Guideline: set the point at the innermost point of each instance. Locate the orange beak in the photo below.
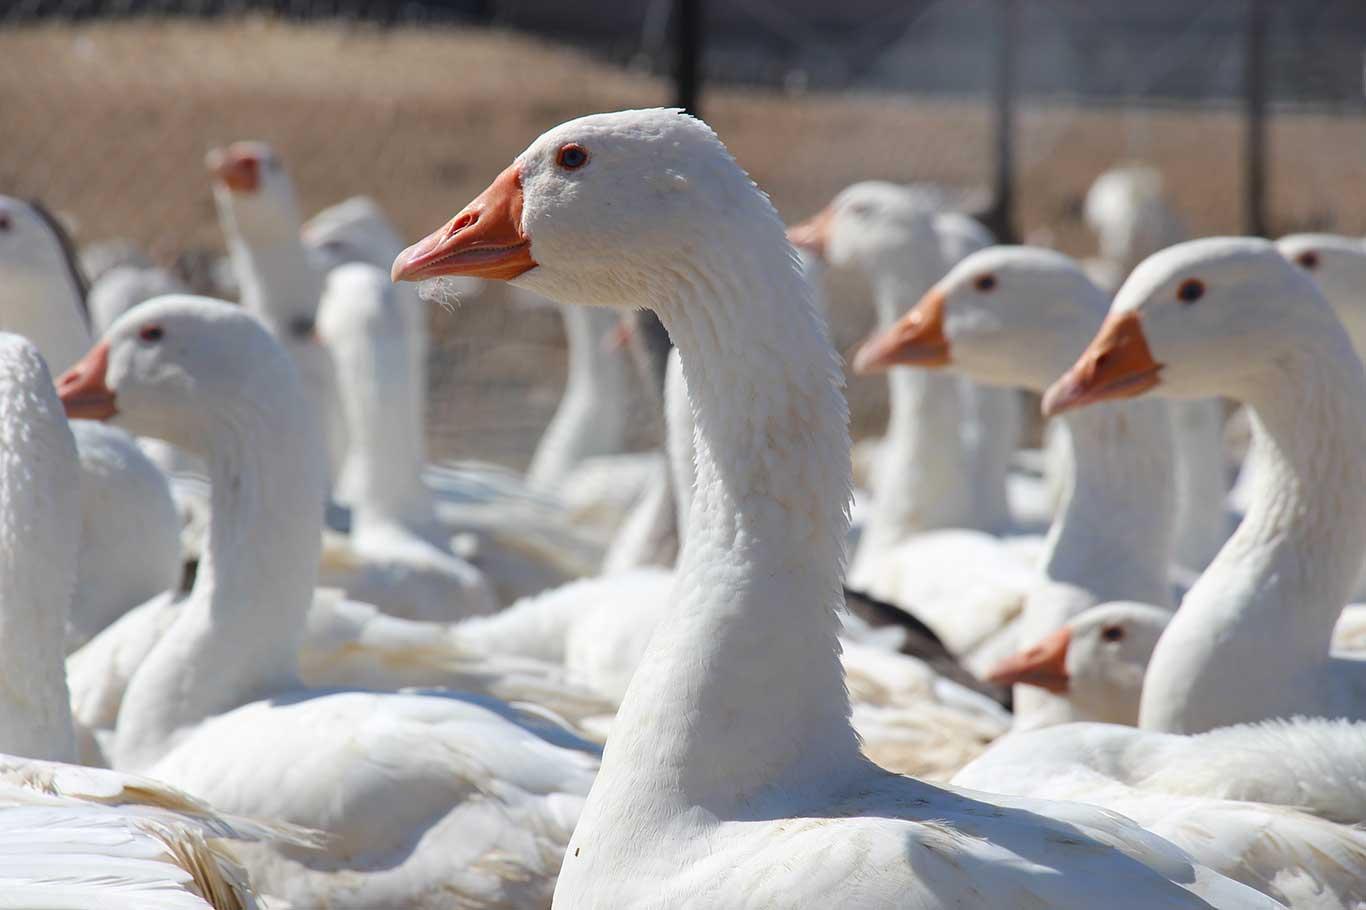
(484, 241)
(1044, 665)
(82, 390)
(813, 234)
(236, 168)
(916, 339)
(1116, 364)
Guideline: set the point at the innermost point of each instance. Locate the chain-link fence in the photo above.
(106, 111)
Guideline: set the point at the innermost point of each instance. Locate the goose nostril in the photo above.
(464, 220)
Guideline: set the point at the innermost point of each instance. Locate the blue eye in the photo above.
(572, 157)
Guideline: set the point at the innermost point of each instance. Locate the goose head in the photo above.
(1097, 660)
(609, 209)
(1338, 266)
(1006, 315)
(253, 190)
(1198, 320)
(183, 369)
(869, 226)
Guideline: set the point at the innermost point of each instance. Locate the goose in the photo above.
(259, 217)
(1127, 209)
(73, 836)
(733, 775)
(976, 321)
(1224, 316)
(923, 481)
(422, 793)
(42, 299)
(123, 287)
(382, 561)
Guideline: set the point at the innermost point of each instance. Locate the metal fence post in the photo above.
(688, 29)
(1001, 216)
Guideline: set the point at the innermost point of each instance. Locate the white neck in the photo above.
(39, 533)
(1261, 617)
(741, 689)
(42, 302)
(278, 284)
(922, 481)
(591, 418)
(238, 632)
(1112, 537)
(382, 475)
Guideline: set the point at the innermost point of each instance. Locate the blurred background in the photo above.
(1251, 110)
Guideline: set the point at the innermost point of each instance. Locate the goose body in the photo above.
(396, 779)
(1252, 638)
(733, 776)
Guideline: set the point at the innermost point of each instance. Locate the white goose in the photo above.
(1127, 209)
(383, 560)
(1231, 317)
(41, 299)
(73, 837)
(733, 775)
(422, 794)
(994, 305)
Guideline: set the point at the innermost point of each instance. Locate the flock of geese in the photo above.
(257, 652)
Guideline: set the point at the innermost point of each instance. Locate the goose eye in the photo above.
(4, 222)
(1191, 290)
(1112, 633)
(571, 157)
(1309, 259)
(151, 333)
(985, 283)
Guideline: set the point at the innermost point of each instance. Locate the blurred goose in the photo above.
(733, 774)
(1251, 640)
(74, 837)
(420, 793)
(994, 305)
(42, 299)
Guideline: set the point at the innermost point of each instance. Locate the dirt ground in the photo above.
(109, 122)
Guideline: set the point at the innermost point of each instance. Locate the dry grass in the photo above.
(109, 122)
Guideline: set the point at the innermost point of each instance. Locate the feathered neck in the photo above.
(921, 481)
(1262, 615)
(1113, 535)
(741, 691)
(591, 417)
(238, 632)
(39, 534)
(382, 476)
